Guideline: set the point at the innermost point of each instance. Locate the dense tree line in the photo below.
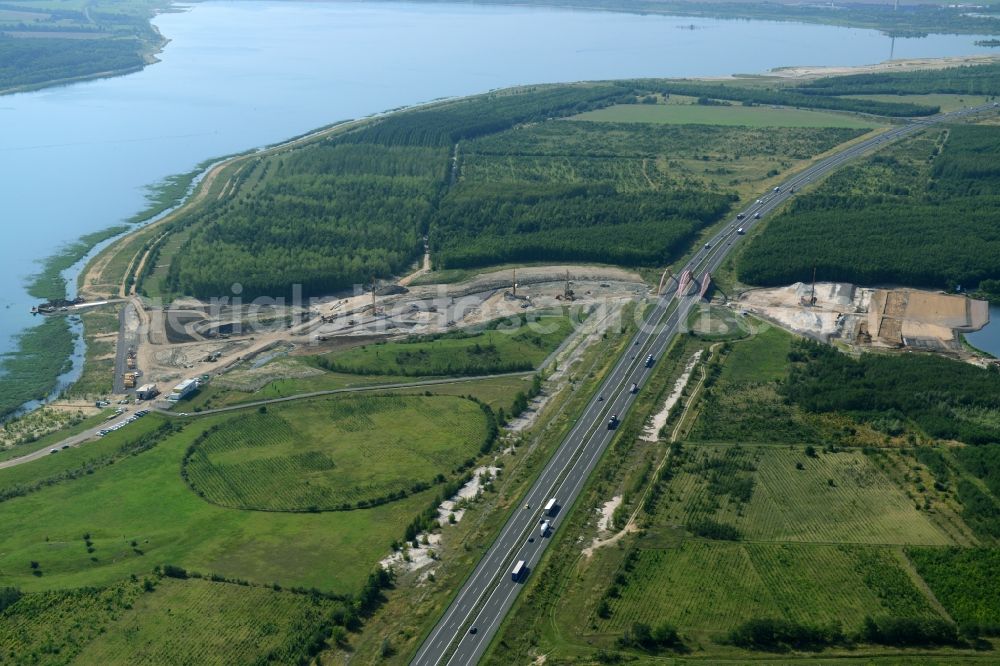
(781, 635)
(487, 114)
(939, 395)
(893, 220)
(26, 62)
(963, 80)
(789, 97)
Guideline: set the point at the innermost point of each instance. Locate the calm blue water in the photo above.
(236, 75)
(988, 339)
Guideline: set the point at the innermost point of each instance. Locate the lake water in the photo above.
(988, 339)
(237, 75)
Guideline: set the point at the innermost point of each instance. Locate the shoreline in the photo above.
(694, 10)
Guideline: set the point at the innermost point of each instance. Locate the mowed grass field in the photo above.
(143, 499)
(710, 587)
(336, 453)
(749, 116)
(178, 622)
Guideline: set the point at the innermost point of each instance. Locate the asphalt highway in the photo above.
(472, 619)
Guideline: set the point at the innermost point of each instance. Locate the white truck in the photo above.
(551, 507)
(544, 529)
(517, 573)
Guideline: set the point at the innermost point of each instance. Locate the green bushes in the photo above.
(779, 635)
(712, 529)
(8, 597)
(906, 632)
(651, 639)
(964, 580)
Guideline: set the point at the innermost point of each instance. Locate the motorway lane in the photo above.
(489, 592)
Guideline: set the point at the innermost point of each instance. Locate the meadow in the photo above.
(336, 453)
(515, 345)
(846, 547)
(99, 328)
(710, 587)
(164, 620)
(495, 391)
(119, 506)
(779, 493)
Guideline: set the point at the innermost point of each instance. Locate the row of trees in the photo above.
(791, 97)
(963, 80)
(779, 635)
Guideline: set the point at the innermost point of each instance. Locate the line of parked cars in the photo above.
(121, 424)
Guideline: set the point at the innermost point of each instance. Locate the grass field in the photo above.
(496, 391)
(946, 102)
(745, 403)
(143, 499)
(811, 525)
(787, 504)
(707, 587)
(697, 114)
(336, 453)
(179, 621)
(511, 347)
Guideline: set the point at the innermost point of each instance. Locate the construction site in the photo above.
(887, 318)
(193, 339)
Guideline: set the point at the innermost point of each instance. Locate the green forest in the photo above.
(922, 214)
(964, 80)
(101, 37)
(490, 179)
(509, 177)
(629, 194)
(325, 218)
(356, 205)
(942, 398)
